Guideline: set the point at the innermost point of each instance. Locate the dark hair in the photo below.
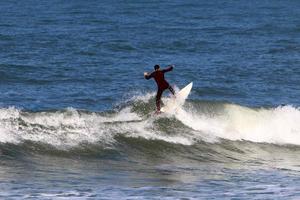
(156, 67)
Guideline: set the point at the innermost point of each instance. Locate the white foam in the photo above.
(61, 129)
(145, 130)
(125, 115)
(65, 129)
(279, 125)
(8, 126)
(142, 97)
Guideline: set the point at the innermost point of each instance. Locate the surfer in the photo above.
(162, 84)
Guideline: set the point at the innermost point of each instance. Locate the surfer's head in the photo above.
(156, 67)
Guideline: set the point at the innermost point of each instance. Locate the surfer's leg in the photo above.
(171, 90)
(158, 97)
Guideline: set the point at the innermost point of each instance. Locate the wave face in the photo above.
(197, 122)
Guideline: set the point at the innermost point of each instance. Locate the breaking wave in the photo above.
(196, 123)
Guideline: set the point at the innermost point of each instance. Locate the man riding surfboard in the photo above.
(162, 84)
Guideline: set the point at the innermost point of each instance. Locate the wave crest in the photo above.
(195, 122)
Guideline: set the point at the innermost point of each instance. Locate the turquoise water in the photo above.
(76, 114)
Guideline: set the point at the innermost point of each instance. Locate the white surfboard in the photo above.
(172, 104)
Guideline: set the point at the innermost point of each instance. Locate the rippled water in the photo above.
(76, 114)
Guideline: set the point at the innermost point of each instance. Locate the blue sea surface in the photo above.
(76, 114)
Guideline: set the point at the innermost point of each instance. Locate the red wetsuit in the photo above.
(162, 84)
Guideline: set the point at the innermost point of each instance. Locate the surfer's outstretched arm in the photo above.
(170, 68)
(147, 75)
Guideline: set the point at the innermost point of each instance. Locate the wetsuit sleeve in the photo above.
(149, 76)
(168, 69)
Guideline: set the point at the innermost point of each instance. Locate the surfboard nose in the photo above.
(174, 103)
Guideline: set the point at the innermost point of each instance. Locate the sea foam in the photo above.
(280, 125)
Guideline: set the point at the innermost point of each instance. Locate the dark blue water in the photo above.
(76, 114)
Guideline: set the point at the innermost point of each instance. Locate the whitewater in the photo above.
(195, 121)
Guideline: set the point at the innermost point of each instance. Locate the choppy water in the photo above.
(76, 115)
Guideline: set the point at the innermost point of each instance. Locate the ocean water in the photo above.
(76, 114)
